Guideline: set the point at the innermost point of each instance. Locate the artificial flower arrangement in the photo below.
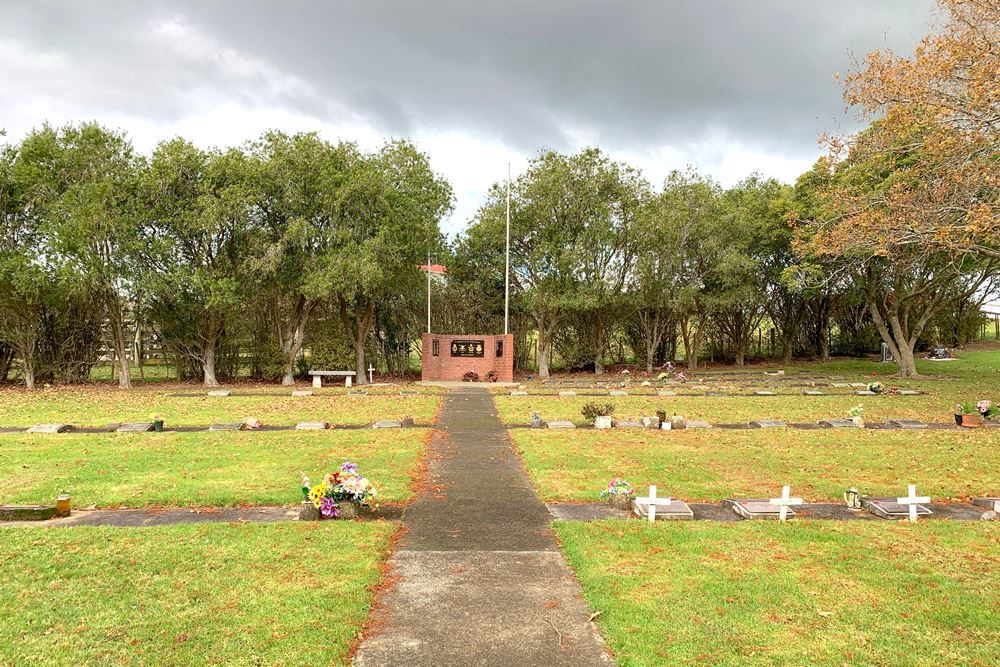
(973, 414)
(875, 387)
(619, 493)
(856, 414)
(157, 421)
(340, 493)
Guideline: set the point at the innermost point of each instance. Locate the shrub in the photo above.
(491, 376)
(592, 411)
(470, 376)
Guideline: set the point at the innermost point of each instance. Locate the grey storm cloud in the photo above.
(527, 73)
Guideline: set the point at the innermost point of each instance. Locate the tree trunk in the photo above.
(359, 334)
(28, 368)
(546, 323)
(118, 340)
(294, 337)
(787, 347)
(599, 344)
(740, 351)
(208, 351)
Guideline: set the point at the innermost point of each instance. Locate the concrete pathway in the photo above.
(479, 578)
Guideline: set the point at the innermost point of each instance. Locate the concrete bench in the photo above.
(318, 376)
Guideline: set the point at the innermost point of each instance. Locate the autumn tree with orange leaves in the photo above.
(910, 210)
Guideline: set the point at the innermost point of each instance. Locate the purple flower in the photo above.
(328, 508)
(349, 468)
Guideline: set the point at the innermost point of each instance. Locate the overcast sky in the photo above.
(728, 86)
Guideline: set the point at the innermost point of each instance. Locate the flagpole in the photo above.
(506, 269)
(428, 290)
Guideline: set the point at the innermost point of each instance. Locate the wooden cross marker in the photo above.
(651, 502)
(912, 499)
(371, 376)
(785, 501)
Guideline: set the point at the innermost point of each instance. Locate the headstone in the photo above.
(698, 423)
(666, 392)
(992, 504)
(220, 392)
(907, 423)
(839, 423)
(651, 422)
(748, 508)
(859, 384)
(840, 385)
(387, 423)
(892, 508)
(628, 423)
(311, 426)
(301, 392)
(602, 421)
(785, 502)
(562, 424)
(227, 427)
(139, 427)
(909, 392)
(27, 512)
(764, 393)
(49, 428)
(813, 392)
(767, 423)
(618, 392)
(652, 508)
(518, 393)
(357, 393)
(567, 393)
(865, 392)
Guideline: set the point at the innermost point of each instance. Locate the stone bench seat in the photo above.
(318, 376)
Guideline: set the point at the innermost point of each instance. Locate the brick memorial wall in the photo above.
(451, 357)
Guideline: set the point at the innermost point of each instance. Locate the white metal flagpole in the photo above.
(428, 291)
(506, 268)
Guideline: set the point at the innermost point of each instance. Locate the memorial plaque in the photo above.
(865, 392)
(909, 392)
(767, 423)
(888, 508)
(764, 393)
(988, 503)
(220, 392)
(697, 423)
(138, 427)
(227, 427)
(562, 424)
(907, 423)
(49, 428)
(628, 423)
(618, 392)
(567, 393)
(813, 392)
(311, 426)
(839, 423)
(303, 393)
(676, 510)
(27, 512)
(386, 423)
(859, 384)
(603, 421)
(468, 348)
(666, 393)
(758, 509)
(409, 393)
(840, 385)
(518, 393)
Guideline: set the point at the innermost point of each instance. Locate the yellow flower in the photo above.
(316, 494)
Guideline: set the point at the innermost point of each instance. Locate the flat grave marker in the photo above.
(357, 393)
(303, 392)
(562, 424)
(387, 423)
(666, 392)
(518, 393)
(48, 428)
(907, 423)
(909, 392)
(988, 503)
(697, 423)
(567, 393)
(768, 423)
(227, 427)
(628, 423)
(652, 508)
(651, 422)
(839, 423)
(617, 392)
(764, 392)
(311, 426)
(220, 393)
(865, 392)
(750, 508)
(409, 393)
(859, 384)
(840, 385)
(603, 422)
(813, 392)
(898, 508)
(137, 427)
(27, 512)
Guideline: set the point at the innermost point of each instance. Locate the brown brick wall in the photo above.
(446, 367)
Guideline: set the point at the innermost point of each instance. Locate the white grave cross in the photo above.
(371, 377)
(785, 501)
(651, 502)
(912, 499)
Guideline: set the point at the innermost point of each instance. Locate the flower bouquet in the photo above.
(876, 387)
(619, 494)
(157, 421)
(857, 415)
(340, 495)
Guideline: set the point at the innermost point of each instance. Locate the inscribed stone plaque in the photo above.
(562, 424)
(357, 393)
(865, 392)
(907, 423)
(567, 393)
(677, 509)
(139, 427)
(26, 512)
(697, 423)
(839, 423)
(311, 426)
(813, 392)
(840, 385)
(859, 384)
(227, 427)
(757, 509)
(518, 393)
(467, 348)
(409, 393)
(618, 392)
(303, 393)
(988, 503)
(909, 392)
(220, 392)
(666, 393)
(764, 393)
(888, 508)
(387, 423)
(767, 423)
(627, 423)
(49, 428)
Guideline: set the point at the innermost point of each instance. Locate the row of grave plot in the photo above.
(147, 427)
(653, 423)
(711, 393)
(868, 508)
(304, 393)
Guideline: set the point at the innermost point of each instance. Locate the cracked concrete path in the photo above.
(479, 578)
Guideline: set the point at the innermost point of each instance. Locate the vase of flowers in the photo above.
(876, 387)
(619, 494)
(857, 415)
(341, 495)
(157, 421)
(971, 415)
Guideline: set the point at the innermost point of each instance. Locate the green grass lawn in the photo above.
(288, 594)
(809, 593)
(713, 464)
(202, 468)
(100, 405)
(975, 376)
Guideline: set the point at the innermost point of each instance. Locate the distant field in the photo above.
(200, 469)
(288, 594)
(811, 593)
(98, 405)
